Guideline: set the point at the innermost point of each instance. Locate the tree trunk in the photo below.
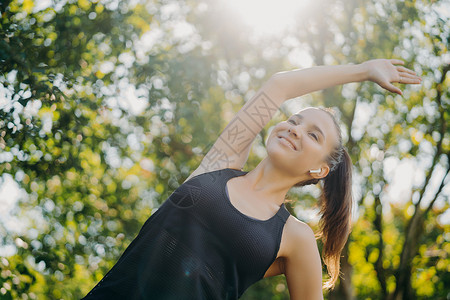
(404, 290)
(381, 274)
(344, 290)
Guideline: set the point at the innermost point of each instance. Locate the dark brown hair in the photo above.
(335, 205)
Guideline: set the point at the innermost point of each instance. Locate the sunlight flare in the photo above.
(268, 17)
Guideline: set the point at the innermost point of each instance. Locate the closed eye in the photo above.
(292, 121)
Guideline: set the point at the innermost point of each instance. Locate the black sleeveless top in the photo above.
(197, 245)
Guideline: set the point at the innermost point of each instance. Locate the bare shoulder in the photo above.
(298, 234)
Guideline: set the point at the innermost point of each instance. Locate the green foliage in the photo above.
(103, 120)
(274, 288)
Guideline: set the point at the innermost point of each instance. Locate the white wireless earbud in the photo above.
(315, 171)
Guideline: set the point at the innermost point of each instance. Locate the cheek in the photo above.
(271, 139)
(271, 148)
(313, 145)
(310, 146)
(314, 153)
(272, 132)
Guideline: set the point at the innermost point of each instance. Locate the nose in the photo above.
(294, 131)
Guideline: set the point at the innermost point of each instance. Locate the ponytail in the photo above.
(336, 208)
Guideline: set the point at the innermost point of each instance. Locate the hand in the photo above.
(384, 73)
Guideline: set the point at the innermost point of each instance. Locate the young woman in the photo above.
(224, 229)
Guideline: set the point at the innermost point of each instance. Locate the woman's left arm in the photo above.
(302, 264)
(384, 72)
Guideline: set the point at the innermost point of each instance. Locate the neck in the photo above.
(271, 183)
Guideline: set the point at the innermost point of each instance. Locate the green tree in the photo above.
(412, 128)
(105, 106)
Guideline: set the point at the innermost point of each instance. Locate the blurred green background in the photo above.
(107, 106)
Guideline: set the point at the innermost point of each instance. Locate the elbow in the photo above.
(277, 78)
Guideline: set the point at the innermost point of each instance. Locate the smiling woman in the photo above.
(224, 229)
(267, 17)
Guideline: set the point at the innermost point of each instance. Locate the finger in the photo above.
(411, 72)
(407, 75)
(403, 69)
(404, 74)
(397, 61)
(393, 89)
(397, 91)
(408, 80)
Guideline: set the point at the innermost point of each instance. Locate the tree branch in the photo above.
(415, 224)
(439, 191)
(442, 132)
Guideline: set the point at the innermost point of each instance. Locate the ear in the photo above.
(324, 170)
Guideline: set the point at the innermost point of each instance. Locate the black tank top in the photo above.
(197, 245)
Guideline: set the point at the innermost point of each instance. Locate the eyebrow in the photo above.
(300, 117)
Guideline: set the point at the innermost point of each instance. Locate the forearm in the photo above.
(296, 83)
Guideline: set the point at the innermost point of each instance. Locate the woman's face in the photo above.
(302, 142)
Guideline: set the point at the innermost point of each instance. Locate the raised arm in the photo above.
(232, 148)
(381, 71)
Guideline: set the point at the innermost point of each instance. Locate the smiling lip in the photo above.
(289, 141)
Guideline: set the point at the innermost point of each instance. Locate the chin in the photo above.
(282, 161)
